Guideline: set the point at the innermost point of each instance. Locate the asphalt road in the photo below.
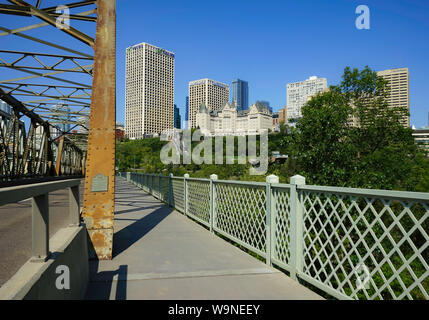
(15, 230)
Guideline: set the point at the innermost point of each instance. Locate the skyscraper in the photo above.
(298, 93)
(149, 90)
(399, 89)
(283, 115)
(177, 117)
(60, 117)
(240, 94)
(212, 93)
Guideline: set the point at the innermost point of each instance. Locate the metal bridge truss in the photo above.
(48, 91)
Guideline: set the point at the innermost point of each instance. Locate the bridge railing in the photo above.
(39, 193)
(350, 243)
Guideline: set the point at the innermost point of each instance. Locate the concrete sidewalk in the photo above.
(159, 253)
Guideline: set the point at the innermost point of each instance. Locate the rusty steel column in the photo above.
(99, 197)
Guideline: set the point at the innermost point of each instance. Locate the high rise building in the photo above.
(212, 93)
(177, 118)
(399, 89)
(240, 94)
(149, 90)
(298, 93)
(60, 117)
(283, 115)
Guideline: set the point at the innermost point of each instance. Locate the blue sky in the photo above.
(272, 43)
(269, 43)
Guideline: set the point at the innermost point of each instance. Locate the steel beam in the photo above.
(19, 34)
(52, 21)
(99, 199)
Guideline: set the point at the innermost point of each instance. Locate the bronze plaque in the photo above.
(99, 183)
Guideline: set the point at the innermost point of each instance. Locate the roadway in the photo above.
(15, 230)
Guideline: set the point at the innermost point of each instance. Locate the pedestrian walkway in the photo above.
(158, 253)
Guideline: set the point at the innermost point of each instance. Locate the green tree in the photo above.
(350, 136)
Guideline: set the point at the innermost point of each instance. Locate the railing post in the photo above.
(74, 206)
(269, 212)
(40, 228)
(212, 200)
(185, 191)
(170, 190)
(296, 218)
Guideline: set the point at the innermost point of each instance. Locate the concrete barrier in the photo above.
(37, 280)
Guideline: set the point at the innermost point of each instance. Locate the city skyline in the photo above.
(274, 52)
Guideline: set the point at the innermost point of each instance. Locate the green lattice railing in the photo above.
(350, 243)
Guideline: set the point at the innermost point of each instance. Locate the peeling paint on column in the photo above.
(99, 204)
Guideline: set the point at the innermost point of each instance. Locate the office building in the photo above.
(421, 137)
(60, 117)
(298, 93)
(149, 90)
(283, 115)
(399, 90)
(276, 122)
(119, 132)
(212, 93)
(177, 118)
(240, 94)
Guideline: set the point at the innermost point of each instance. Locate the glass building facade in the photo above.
(240, 94)
(177, 118)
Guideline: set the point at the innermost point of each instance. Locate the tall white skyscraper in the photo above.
(149, 90)
(399, 90)
(298, 93)
(212, 93)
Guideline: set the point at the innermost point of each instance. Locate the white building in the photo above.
(399, 90)
(213, 94)
(149, 90)
(298, 93)
(229, 121)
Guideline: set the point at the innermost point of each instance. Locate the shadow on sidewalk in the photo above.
(129, 235)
